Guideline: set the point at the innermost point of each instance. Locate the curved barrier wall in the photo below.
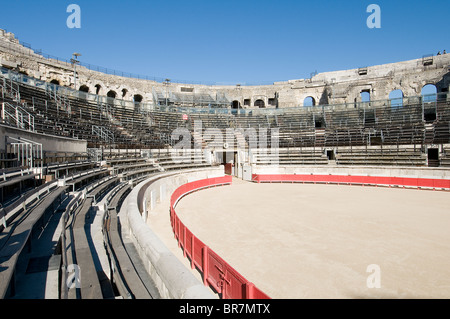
(216, 272)
(172, 279)
(391, 181)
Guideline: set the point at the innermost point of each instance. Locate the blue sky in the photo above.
(230, 42)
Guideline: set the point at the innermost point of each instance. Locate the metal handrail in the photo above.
(21, 118)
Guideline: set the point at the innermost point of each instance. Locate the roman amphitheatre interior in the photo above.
(335, 186)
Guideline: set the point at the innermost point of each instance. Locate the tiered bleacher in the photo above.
(290, 156)
(385, 156)
(445, 160)
(178, 159)
(101, 123)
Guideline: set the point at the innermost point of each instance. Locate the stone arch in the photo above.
(84, 88)
(111, 94)
(236, 104)
(124, 93)
(365, 95)
(111, 97)
(396, 98)
(309, 101)
(137, 98)
(260, 103)
(429, 95)
(98, 89)
(55, 81)
(429, 92)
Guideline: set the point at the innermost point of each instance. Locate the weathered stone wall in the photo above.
(326, 88)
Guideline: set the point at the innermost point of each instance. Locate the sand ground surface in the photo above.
(298, 241)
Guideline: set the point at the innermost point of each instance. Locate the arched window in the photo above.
(236, 105)
(111, 94)
(110, 97)
(365, 96)
(124, 92)
(260, 104)
(84, 88)
(309, 101)
(396, 98)
(429, 93)
(138, 98)
(54, 82)
(98, 89)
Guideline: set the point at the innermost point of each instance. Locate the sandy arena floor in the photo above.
(317, 241)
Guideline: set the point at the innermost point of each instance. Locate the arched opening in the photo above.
(111, 94)
(236, 105)
(124, 93)
(396, 98)
(54, 82)
(137, 98)
(429, 93)
(84, 88)
(110, 97)
(260, 104)
(365, 96)
(98, 88)
(309, 101)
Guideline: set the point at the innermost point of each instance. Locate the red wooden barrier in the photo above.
(436, 184)
(217, 273)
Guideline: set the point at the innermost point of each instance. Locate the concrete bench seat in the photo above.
(84, 179)
(17, 235)
(17, 179)
(136, 173)
(185, 166)
(90, 287)
(101, 189)
(123, 272)
(65, 169)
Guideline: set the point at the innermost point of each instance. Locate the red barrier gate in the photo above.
(229, 168)
(217, 273)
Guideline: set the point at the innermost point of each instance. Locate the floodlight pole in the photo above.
(166, 83)
(74, 61)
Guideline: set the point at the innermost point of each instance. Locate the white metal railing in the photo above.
(94, 154)
(10, 88)
(61, 100)
(103, 133)
(15, 115)
(28, 153)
